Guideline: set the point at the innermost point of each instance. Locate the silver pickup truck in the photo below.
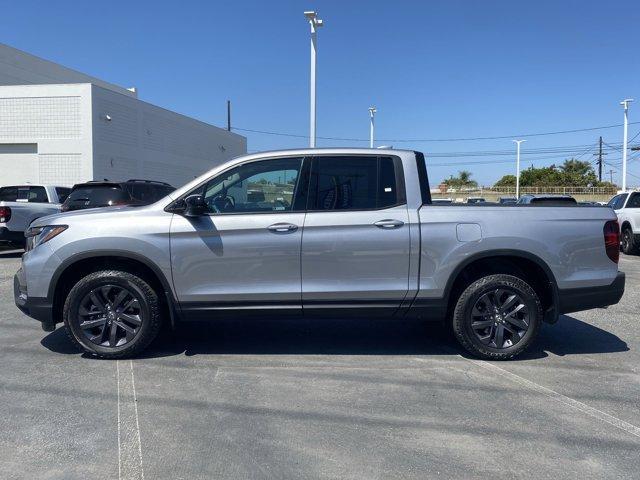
(318, 232)
(22, 204)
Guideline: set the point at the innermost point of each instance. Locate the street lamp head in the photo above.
(518, 141)
(312, 16)
(373, 110)
(625, 103)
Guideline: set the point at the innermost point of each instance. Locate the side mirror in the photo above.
(195, 206)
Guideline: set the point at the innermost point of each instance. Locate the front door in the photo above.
(355, 247)
(245, 252)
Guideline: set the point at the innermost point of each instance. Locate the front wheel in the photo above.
(497, 317)
(112, 314)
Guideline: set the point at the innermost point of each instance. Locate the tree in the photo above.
(578, 173)
(463, 180)
(572, 173)
(506, 181)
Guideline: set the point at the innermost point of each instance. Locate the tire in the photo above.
(478, 319)
(629, 243)
(128, 305)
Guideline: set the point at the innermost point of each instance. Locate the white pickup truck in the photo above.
(627, 208)
(22, 204)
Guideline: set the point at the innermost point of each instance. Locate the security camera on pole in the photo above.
(315, 23)
(518, 142)
(372, 112)
(625, 103)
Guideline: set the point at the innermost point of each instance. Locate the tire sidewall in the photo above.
(96, 280)
(627, 241)
(462, 314)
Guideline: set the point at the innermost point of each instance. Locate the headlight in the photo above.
(39, 235)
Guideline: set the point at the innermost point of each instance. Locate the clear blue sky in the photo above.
(434, 69)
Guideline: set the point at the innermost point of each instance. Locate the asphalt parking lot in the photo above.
(323, 399)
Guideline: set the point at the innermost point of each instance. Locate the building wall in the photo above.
(45, 134)
(21, 68)
(135, 139)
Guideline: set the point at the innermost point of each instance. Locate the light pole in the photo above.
(518, 142)
(315, 23)
(372, 112)
(625, 103)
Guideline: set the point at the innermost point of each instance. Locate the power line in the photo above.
(419, 140)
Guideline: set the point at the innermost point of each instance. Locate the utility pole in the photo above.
(315, 23)
(625, 103)
(229, 115)
(372, 112)
(599, 155)
(518, 142)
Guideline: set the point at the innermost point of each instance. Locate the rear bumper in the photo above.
(577, 299)
(7, 235)
(35, 307)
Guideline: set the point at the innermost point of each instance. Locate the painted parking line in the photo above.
(568, 401)
(129, 444)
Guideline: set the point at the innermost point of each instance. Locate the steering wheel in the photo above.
(223, 202)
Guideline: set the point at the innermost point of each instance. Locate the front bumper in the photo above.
(38, 308)
(577, 299)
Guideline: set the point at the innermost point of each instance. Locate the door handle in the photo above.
(282, 227)
(389, 223)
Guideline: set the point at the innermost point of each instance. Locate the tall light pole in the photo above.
(518, 142)
(372, 112)
(625, 103)
(315, 23)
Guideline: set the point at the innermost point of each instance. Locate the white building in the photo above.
(59, 126)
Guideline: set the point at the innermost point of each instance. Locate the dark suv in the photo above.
(100, 193)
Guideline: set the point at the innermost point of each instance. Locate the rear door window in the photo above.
(354, 183)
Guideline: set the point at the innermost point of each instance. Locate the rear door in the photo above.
(355, 245)
(632, 210)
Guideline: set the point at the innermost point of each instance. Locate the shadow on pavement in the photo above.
(571, 336)
(351, 336)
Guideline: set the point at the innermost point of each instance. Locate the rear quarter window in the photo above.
(634, 201)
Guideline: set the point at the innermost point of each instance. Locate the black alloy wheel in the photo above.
(110, 316)
(500, 318)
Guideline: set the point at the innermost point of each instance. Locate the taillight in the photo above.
(612, 240)
(5, 214)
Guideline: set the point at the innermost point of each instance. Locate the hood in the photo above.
(92, 213)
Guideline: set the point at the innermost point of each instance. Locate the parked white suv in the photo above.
(627, 208)
(22, 204)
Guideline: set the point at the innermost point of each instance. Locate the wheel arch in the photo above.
(506, 261)
(79, 265)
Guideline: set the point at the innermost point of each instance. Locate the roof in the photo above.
(326, 151)
(19, 68)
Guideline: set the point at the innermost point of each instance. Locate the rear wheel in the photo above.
(497, 317)
(112, 314)
(629, 244)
